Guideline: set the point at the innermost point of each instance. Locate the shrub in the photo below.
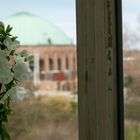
(60, 106)
(52, 118)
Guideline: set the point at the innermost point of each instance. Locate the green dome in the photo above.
(34, 30)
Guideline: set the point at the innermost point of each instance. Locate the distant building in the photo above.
(54, 65)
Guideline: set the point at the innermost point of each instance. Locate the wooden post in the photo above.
(99, 69)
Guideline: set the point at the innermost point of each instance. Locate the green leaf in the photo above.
(2, 25)
(8, 29)
(23, 53)
(2, 31)
(14, 38)
(29, 58)
(12, 52)
(3, 133)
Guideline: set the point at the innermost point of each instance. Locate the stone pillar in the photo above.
(55, 57)
(36, 69)
(63, 60)
(47, 63)
(70, 62)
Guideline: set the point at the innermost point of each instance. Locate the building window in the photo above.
(42, 65)
(31, 65)
(67, 63)
(59, 64)
(51, 64)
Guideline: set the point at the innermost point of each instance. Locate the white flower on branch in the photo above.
(11, 45)
(17, 93)
(4, 53)
(19, 59)
(6, 75)
(21, 71)
(13, 69)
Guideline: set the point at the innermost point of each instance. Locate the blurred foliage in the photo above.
(132, 102)
(132, 110)
(128, 80)
(41, 118)
(132, 132)
(132, 116)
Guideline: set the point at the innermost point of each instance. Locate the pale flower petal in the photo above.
(17, 93)
(15, 44)
(21, 71)
(4, 53)
(7, 42)
(11, 44)
(6, 76)
(19, 59)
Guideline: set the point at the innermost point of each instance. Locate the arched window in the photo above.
(67, 63)
(59, 64)
(51, 64)
(42, 65)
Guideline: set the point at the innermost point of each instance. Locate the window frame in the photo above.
(120, 81)
(86, 23)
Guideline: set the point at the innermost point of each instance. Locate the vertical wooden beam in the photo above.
(98, 70)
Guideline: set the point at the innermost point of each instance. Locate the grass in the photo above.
(132, 132)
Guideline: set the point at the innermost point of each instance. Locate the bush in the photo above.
(59, 108)
(132, 110)
(44, 118)
(59, 103)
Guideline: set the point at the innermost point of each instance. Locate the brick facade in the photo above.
(54, 67)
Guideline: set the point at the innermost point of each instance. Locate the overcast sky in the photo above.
(62, 12)
(131, 10)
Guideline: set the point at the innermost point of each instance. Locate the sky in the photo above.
(131, 23)
(62, 12)
(131, 10)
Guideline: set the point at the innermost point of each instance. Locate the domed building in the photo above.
(54, 65)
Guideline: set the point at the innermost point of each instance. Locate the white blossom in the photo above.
(4, 53)
(6, 75)
(18, 59)
(11, 44)
(17, 93)
(21, 71)
(13, 67)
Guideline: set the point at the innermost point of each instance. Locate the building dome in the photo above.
(34, 30)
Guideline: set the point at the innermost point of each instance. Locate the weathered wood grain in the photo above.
(97, 70)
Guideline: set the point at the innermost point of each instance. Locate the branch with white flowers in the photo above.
(13, 69)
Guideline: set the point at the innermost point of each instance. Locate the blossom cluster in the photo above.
(13, 66)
